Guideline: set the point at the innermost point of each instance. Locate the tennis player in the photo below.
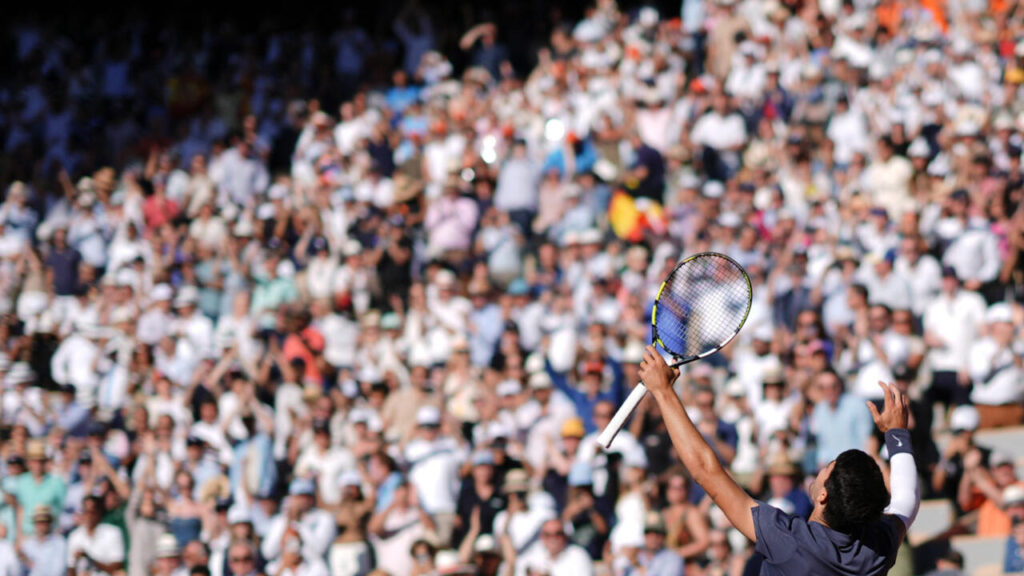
(855, 527)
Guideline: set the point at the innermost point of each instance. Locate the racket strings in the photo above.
(704, 303)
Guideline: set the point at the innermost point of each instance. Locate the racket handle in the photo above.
(621, 415)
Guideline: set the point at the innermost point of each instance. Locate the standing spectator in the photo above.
(38, 486)
(554, 554)
(995, 368)
(951, 322)
(44, 553)
(95, 548)
(839, 419)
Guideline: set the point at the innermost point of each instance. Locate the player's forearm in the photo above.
(906, 497)
(694, 452)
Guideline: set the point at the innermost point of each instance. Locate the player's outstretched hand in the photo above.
(895, 412)
(655, 373)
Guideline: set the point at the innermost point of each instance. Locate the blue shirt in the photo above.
(665, 563)
(615, 394)
(847, 426)
(48, 556)
(791, 545)
(1013, 560)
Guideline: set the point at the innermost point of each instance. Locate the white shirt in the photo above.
(103, 545)
(435, 473)
(955, 320)
(523, 527)
(925, 278)
(849, 133)
(872, 369)
(316, 528)
(198, 329)
(153, 326)
(625, 443)
(719, 132)
(573, 561)
(9, 565)
(772, 416)
(326, 467)
(72, 364)
(974, 255)
(997, 379)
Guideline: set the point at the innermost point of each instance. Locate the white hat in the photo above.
(764, 332)
(447, 562)
(187, 296)
(964, 417)
(534, 363)
(485, 544)
(243, 228)
(713, 189)
(509, 388)
(428, 416)
(735, 388)
(1003, 121)
(161, 293)
(919, 148)
(350, 478)
(1013, 494)
(648, 17)
(541, 381)
(445, 278)
(239, 515)
(167, 546)
(633, 352)
(120, 315)
(999, 312)
(688, 180)
(277, 192)
(351, 247)
(729, 220)
(590, 236)
(266, 212)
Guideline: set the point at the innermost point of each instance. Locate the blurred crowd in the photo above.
(270, 310)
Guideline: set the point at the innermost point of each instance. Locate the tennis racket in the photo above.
(700, 308)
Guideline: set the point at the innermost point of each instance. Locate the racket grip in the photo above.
(621, 415)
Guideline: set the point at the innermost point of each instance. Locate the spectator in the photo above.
(43, 553)
(839, 419)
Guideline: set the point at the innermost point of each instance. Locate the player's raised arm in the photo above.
(905, 498)
(693, 450)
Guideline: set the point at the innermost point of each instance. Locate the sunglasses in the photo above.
(240, 559)
(552, 534)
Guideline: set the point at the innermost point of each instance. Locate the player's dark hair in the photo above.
(857, 495)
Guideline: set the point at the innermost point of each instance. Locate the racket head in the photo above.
(701, 306)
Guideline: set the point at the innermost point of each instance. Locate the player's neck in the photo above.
(818, 515)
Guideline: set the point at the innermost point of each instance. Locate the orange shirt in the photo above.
(294, 347)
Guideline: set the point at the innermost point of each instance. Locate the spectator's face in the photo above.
(654, 540)
(42, 526)
(677, 491)
(829, 387)
(878, 318)
(603, 413)
(553, 536)
(91, 514)
(1004, 475)
(241, 560)
(483, 473)
(194, 555)
(903, 322)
